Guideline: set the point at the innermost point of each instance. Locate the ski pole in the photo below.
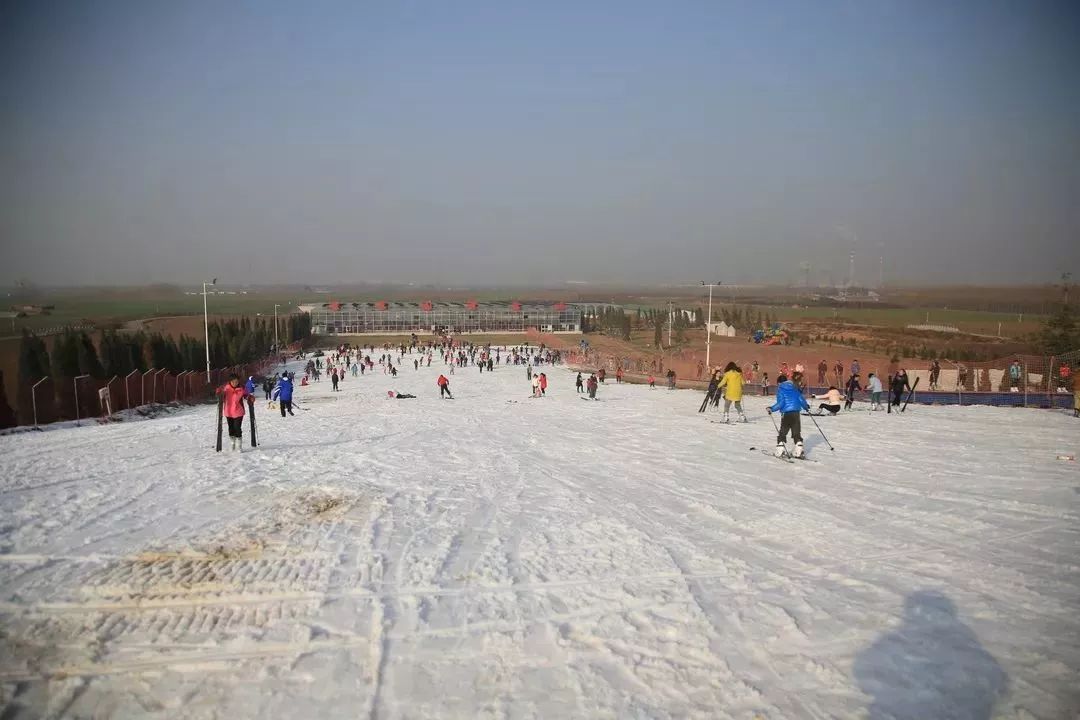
(774, 423)
(822, 434)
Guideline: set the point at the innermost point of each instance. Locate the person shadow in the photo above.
(932, 666)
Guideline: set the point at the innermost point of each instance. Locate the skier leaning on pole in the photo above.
(791, 403)
(233, 395)
(283, 394)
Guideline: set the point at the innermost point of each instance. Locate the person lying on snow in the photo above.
(832, 401)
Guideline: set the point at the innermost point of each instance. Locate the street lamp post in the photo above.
(708, 328)
(206, 326)
(277, 346)
(670, 322)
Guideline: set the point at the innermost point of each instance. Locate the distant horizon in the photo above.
(322, 288)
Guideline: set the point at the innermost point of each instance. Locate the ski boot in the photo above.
(780, 450)
(742, 418)
(233, 441)
(798, 452)
(724, 419)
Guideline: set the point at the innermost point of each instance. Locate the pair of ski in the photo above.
(786, 457)
(910, 395)
(730, 422)
(221, 417)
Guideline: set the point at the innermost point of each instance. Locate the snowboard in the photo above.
(911, 394)
(220, 419)
(251, 415)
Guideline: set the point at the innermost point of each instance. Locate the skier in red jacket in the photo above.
(444, 387)
(233, 396)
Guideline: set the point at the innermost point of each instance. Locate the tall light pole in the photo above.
(277, 347)
(206, 326)
(708, 327)
(670, 322)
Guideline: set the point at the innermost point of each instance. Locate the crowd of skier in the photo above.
(836, 391)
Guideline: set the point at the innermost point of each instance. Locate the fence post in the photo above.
(1051, 384)
(108, 389)
(1024, 370)
(75, 382)
(33, 398)
(127, 389)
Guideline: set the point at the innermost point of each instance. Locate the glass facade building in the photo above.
(398, 318)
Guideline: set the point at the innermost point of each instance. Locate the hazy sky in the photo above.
(507, 142)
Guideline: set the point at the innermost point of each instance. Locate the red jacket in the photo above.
(234, 399)
(543, 381)
(443, 381)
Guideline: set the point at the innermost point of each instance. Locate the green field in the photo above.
(966, 320)
(102, 307)
(98, 310)
(969, 321)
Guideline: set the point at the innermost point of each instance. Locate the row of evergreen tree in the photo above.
(232, 342)
(611, 321)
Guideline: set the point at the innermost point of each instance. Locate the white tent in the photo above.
(722, 328)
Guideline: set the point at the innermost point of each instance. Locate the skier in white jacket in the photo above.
(874, 386)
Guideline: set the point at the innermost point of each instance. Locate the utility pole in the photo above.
(670, 321)
(277, 347)
(206, 326)
(708, 328)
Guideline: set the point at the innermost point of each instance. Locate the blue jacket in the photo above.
(789, 399)
(250, 385)
(283, 389)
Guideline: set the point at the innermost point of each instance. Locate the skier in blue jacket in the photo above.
(790, 402)
(250, 385)
(283, 394)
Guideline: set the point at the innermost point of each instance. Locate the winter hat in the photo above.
(781, 378)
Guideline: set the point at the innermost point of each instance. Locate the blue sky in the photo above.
(537, 142)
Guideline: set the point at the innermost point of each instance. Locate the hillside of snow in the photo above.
(495, 556)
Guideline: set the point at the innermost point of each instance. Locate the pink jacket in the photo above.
(234, 399)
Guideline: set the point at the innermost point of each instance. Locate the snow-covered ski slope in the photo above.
(497, 556)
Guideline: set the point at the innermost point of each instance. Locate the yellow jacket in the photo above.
(733, 381)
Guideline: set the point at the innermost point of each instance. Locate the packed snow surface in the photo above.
(495, 556)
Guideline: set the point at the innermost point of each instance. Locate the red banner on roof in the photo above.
(515, 306)
(381, 305)
(335, 306)
(471, 305)
(426, 306)
(560, 306)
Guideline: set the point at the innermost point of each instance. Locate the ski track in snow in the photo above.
(483, 559)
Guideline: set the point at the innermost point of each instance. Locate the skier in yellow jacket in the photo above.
(731, 384)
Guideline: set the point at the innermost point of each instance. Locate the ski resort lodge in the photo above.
(399, 318)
